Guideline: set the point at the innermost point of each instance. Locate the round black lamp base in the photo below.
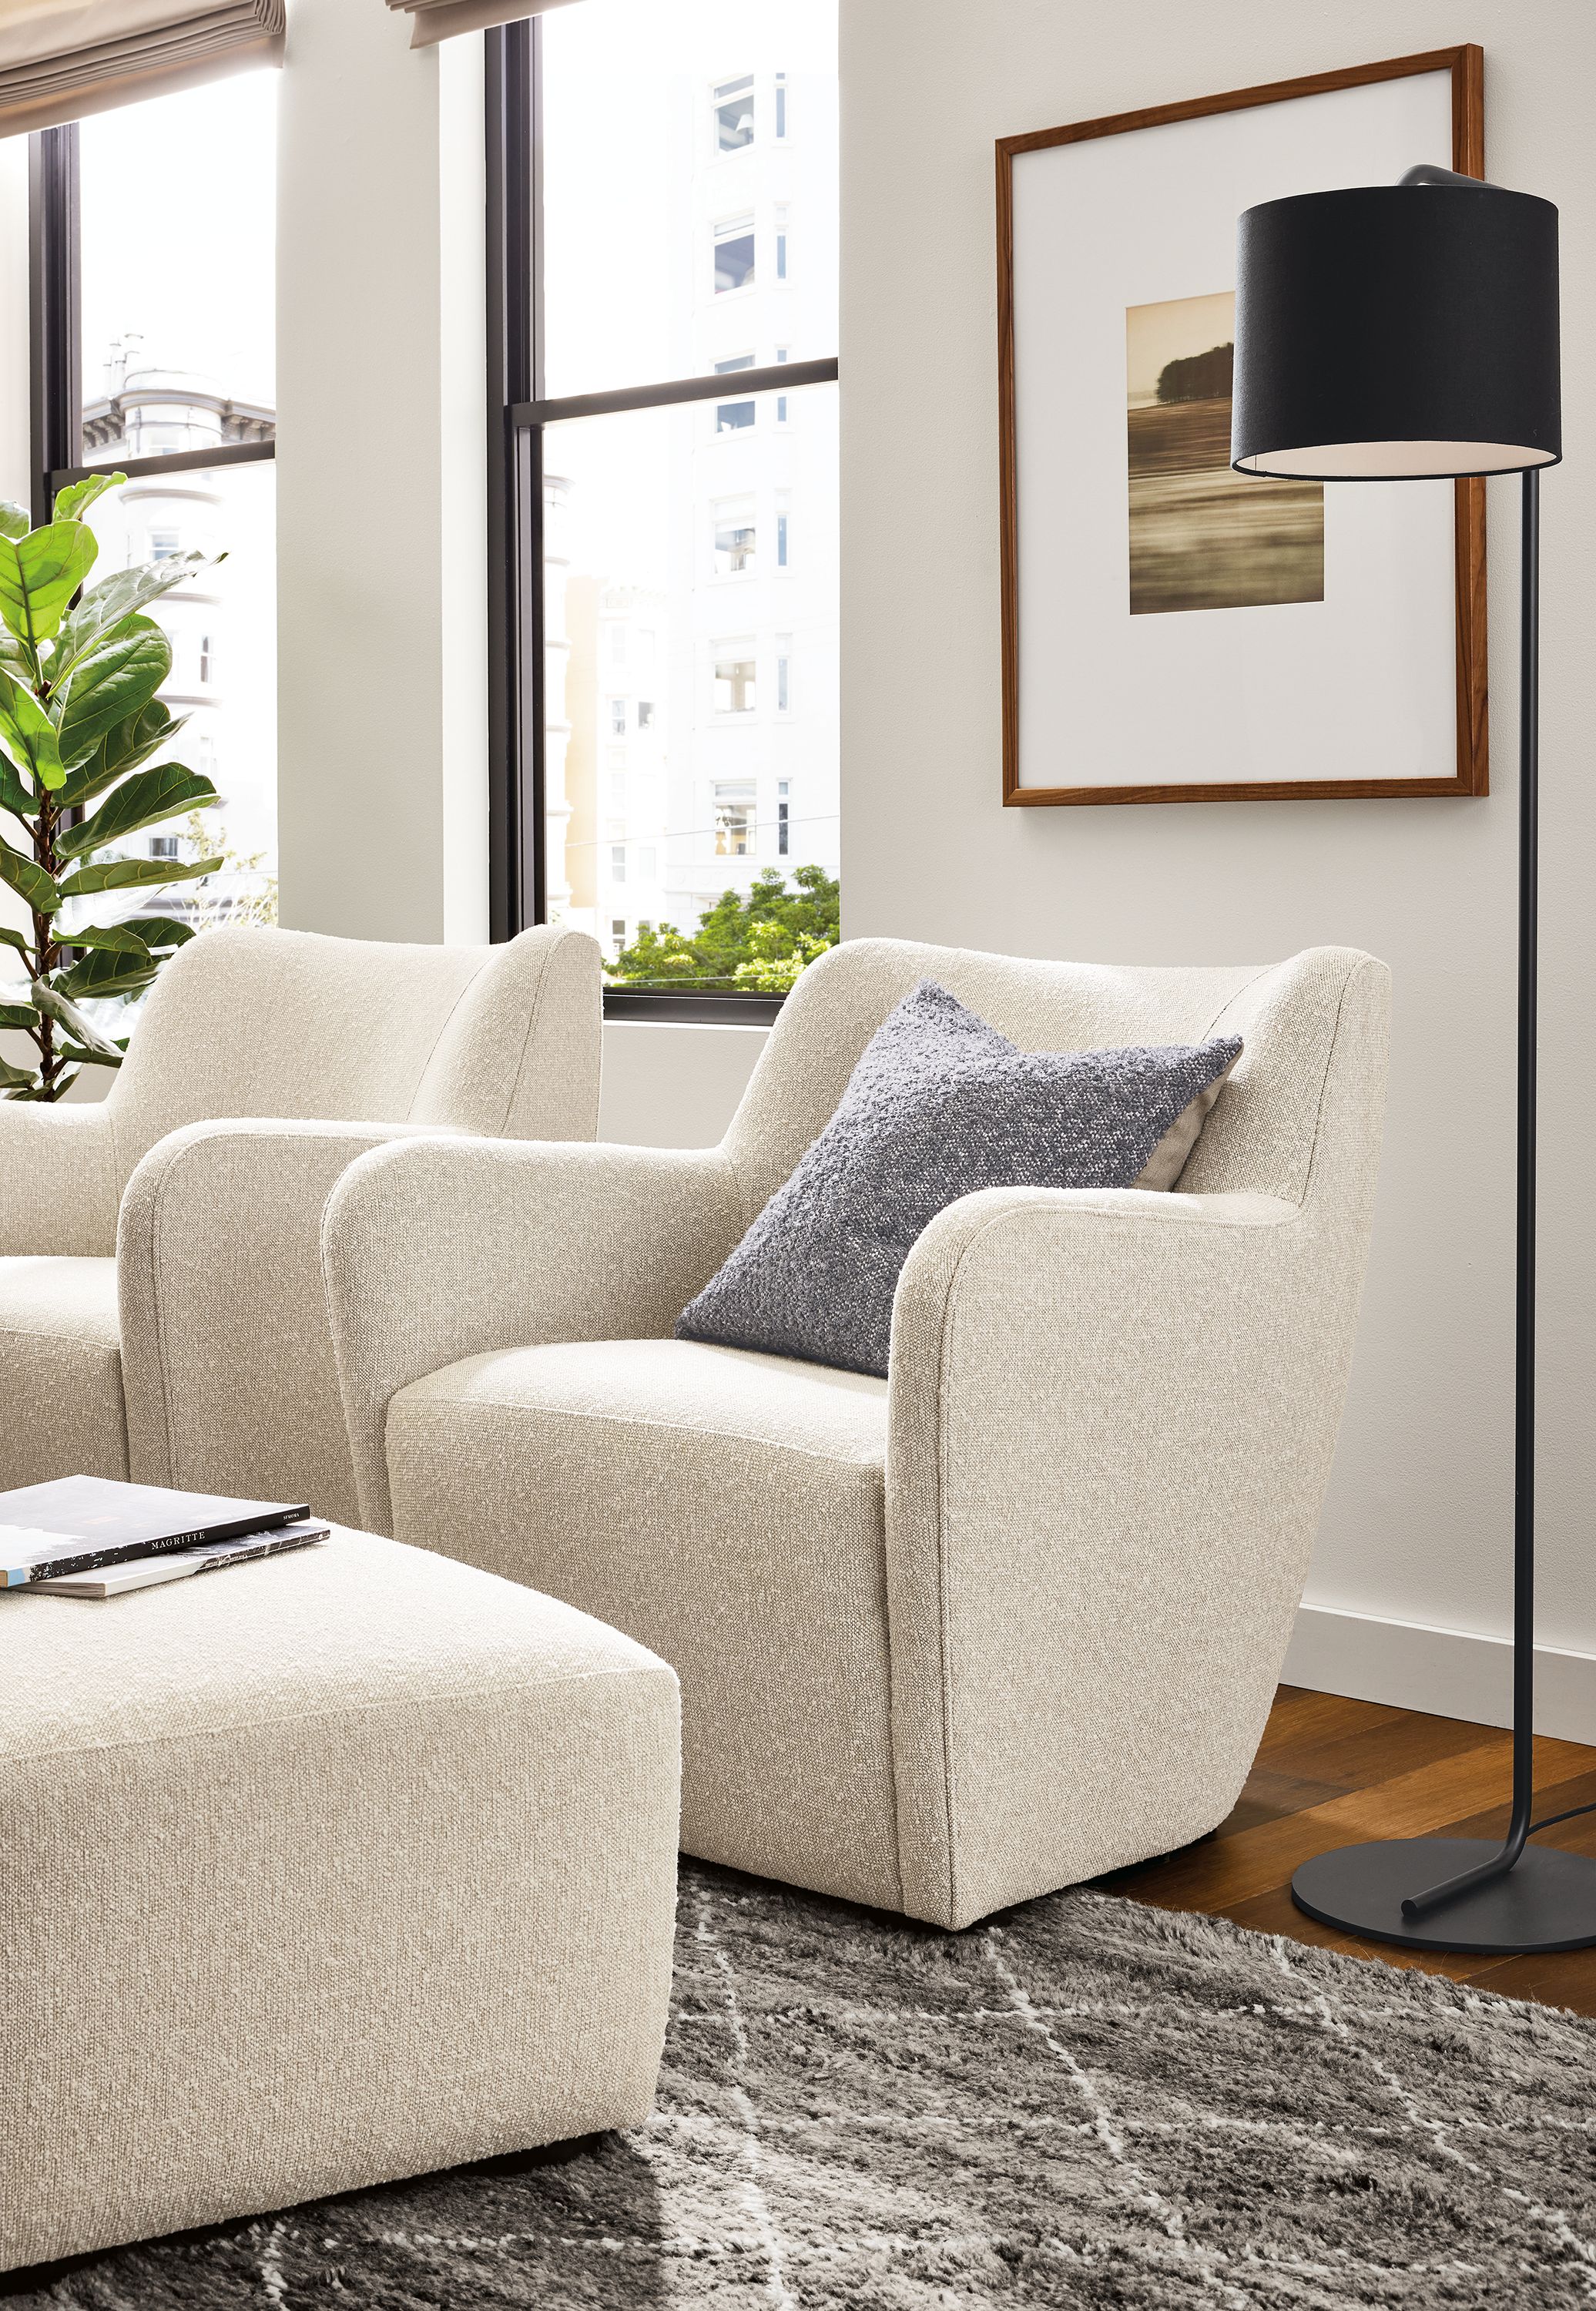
(1545, 1902)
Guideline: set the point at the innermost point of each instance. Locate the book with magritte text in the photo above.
(77, 1524)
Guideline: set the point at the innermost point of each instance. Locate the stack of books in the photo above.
(87, 1537)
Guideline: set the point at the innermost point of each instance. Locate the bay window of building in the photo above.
(654, 270)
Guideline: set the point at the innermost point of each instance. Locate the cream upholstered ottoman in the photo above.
(315, 1873)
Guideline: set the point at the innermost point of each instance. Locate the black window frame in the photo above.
(55, 339)
(519, 409)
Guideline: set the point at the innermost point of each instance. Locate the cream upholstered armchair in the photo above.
(211, 1365)
(1012, 1617)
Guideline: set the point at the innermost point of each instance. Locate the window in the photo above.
(783, 822)
(733, 256)
(162, 352)
(644, 289)
(734, 114)
(734, 678)
(617, 794)
(618, 863)
(618, 645)
(734, 538)
(783, 674)
(617, 931)
(781, 521)
(731, 416)
(735, 821)
(617, 717)
(782, 244)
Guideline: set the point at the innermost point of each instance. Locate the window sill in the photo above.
(658, 1005)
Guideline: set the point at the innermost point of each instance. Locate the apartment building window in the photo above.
(782, 244)
(637, 173)
(617, 717)
(733, 256)
(734, 538)
(734, 114)
(783, 818)
(731, 416)
(783, 674)
(735, 678)
(140, 365)
(735, 810)
(617, 862)
(782, 523)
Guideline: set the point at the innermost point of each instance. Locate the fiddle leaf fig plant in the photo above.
(79, 723)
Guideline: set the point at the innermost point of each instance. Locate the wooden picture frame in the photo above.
(1465, 65)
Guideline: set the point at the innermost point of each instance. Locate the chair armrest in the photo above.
(1111, 1417)
(58, 1180)
(441, 1251)
(228, 1369)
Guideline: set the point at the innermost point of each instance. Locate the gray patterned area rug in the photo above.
(1084, 2103)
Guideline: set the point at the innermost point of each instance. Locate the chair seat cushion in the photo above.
(727, 1511)
(60, 1371)
(939, 1106)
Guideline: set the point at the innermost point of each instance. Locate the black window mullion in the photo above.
(55, 312)
(514, 514)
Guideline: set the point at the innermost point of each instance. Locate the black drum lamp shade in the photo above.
(1397, 332)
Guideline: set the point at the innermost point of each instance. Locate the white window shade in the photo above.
(61, 59)
(436, 19)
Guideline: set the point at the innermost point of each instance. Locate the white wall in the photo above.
(1418, 1525)
(382, 790)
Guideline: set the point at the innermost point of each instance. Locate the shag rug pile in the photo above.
(1085, 2102)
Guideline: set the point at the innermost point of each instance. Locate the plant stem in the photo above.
(44, 946)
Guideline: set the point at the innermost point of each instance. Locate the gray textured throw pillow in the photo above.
(939, 1105)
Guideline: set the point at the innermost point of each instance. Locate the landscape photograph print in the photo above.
(1203, 537)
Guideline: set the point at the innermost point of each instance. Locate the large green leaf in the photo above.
(143, 800)
(110, 684)
(38, 576)
(15, 939)
(78, 1024)
(126, 874)
(113, 938)
(74, 501)
(109, 975)
(121, 596)
(15, 1079)
(13, 795)
(28, 881)
(26, 730)
(14, 522)
(122, 749)
(18, 1014)
(164, 931)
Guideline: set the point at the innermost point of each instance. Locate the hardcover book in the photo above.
(78, 1523)
(180, 1564)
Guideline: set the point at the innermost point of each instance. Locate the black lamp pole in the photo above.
(1409, 332)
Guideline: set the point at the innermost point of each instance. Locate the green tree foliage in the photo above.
(756, 945)
(79, 725)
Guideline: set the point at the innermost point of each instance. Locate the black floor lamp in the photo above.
(1399, 333)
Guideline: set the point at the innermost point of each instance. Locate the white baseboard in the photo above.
(1442, 1672)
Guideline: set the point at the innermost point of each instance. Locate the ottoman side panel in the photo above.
(258, 1965)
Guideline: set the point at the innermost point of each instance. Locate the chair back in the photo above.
(274, 1024)
(1261, 1137)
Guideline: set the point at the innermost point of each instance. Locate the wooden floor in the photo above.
(1331, 1771)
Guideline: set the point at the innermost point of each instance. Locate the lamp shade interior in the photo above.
(1397, 332)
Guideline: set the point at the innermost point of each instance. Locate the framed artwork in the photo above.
(1173, 631)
